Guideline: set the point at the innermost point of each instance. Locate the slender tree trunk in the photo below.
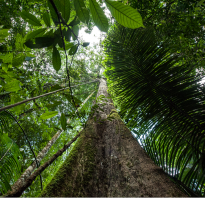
(108, 161)
(22, 180)
(34, 98)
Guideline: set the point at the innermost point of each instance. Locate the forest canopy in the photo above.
(152, 57)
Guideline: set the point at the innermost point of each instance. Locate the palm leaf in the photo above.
(161, 101)
(10, 168)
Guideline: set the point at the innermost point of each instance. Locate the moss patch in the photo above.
(77, 170)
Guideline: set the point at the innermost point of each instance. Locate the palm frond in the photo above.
(10, 168)
(161, 101)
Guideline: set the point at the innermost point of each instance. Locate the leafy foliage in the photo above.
(160, 100)
(34, 41)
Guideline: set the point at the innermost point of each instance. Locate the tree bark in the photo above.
(108, 161)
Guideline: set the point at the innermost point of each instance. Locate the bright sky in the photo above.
(94, 37)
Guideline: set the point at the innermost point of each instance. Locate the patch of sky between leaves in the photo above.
(94, 38)
(96, 35)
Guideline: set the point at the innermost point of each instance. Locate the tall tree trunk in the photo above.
(108, 161)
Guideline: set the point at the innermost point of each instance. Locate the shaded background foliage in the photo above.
(153, 75)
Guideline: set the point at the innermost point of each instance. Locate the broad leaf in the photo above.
(124, 14)
(54, 16)
(36, 33)
(48, 115)
(59, 41)
(65, 9)
(12, 85)
(46, 19)
(81, 11)
(86, 44)
(19, 42)
(55, 104)
(98, 16)
(67, 46)
(63, 121)
(18, 60)
(55, 87)
(7, 58)
(67, 34)
(75, 30)
(56, 59)
(4, 33)
(57, 38)
(49, 34)
(30, 18)
(73, 50)
(41, 42)
(75, 21)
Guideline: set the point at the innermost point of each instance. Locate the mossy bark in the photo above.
(108, 161)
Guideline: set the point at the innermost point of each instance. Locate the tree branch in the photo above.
(18, 192)
(46, 94)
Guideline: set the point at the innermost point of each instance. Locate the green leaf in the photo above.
(59, 41)
(49, 34)
(68, 97)
(56, 59)
(63, 121)
(75, 21)
(81, 11)
(76, 31)
(55, 104)
(98, 15)
(124, 14)
(86, 44)
(3, 33)
(12, 85)
(48, 115)
(18, 60)
(57, 38)
(35, 33)
(54, 16)
(30, 18)
(14, 99)
(55, 87)
(65, 9)
(8, 58)
(73, 50)
(19, 42)
(46, 19)
(67, 46)
(67, 34)
(41, 42)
